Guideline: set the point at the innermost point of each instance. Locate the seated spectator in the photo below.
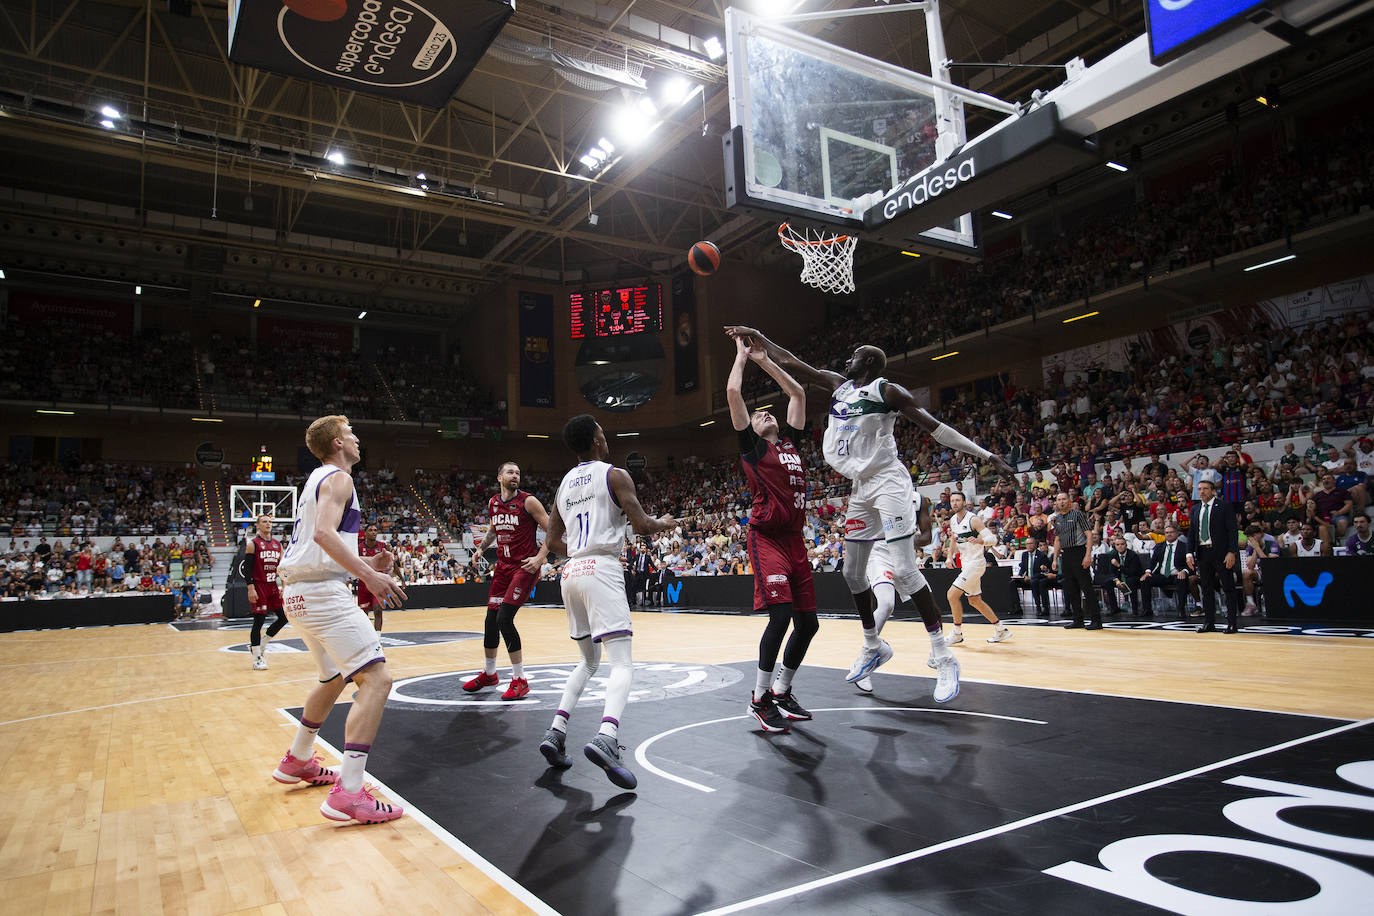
(1360, 543)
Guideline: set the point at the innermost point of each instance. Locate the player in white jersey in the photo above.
(859, 444)
(885, 591)
(595, 503)
(970, 536)
(320, 558)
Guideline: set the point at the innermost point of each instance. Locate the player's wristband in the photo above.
(956, 440)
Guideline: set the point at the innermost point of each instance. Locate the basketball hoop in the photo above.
(827, 258)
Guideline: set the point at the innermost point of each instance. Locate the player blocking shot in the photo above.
(261, 555)
(859, 444)
(315, 569)
(970, 535)
(594, 504)
(367, 549)
(783, 586)
(514, 516)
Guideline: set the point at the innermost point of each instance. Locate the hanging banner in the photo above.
(338, 337)
(80, 315)
(536, 349)
(686, 363)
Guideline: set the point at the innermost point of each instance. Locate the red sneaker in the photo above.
(480, 681)
(359, 806)
(518, 689)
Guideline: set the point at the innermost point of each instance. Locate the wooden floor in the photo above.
(138, 758)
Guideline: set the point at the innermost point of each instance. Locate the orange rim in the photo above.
(787, 240)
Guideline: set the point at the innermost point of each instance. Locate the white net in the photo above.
(827, 258)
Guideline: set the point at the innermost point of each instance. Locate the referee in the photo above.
(1073, 543)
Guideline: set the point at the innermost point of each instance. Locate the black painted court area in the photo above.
(871, 778)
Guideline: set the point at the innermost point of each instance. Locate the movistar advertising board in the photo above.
(1179, 26)
(404, 50)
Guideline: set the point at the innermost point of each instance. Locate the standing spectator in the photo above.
(1214, 553)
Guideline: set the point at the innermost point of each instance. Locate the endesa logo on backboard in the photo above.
(407, 50)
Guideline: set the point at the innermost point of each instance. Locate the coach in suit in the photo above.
(1168, 572)
(1216, 537)
(1119, 570)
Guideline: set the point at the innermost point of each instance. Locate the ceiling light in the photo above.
(944, 355)
(707, 423)
(257, 303)
(420, 176)
(110, 111)
(599, 362)
(2, 273)
(1287, 257)
(632, 125)
(107, 123)
(763, 407)
(206, 420)
(999, 213)
(911, 254)
(713, 47)
(589, 161)
(647, 106)
(597, 153)
(335, 157)
(594, 219)
(60, 413)
(138, 290)
(625, 435)
(536, 435)
(362, 314)
(1079, 317)
(1118, 166)
(605, 144)
(676, 90)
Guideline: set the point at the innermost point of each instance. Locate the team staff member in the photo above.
(259, 566)
(1072, 556)
(370, 603)
(1215, 535)
(514, 515)
(782, 576)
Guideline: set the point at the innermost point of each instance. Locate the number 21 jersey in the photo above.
(594, 521)
(858, 434)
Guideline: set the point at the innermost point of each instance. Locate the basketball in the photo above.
(318, 10)
(703, 258)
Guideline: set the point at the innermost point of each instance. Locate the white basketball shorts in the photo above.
(880, 506)
(338, 633)
(594, 597)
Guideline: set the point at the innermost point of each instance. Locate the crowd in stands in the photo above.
(90, 499)
(48, 362)
(35, 568)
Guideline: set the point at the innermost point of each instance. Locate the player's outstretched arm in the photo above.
(898, 397)
(734, 387)
(555, 532)
(623, 488)
(541, 518)
(807, 374)
(796, 394)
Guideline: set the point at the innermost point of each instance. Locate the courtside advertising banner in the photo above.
(410, 51)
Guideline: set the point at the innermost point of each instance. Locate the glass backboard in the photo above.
(826, 131)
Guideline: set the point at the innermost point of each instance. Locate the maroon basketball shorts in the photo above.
(781, 572)
(510, 584)
(269, 597)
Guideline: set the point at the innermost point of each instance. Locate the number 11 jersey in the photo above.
(594, 521)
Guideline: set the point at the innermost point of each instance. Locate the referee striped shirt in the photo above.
(1071, 528)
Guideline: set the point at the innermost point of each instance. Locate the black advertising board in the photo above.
(400, 49)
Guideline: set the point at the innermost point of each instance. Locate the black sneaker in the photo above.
(553, 749)
(765, 712)
(789, 707)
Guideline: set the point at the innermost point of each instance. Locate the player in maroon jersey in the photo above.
(782, 575)
(514, 515)
(369, 546)
(260, 559)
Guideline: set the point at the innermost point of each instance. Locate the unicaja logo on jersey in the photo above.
(378, 43)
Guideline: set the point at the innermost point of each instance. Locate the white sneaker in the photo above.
(930, 661)
(954, 638)
(947, 679)
(1001, 634)
(259, 663)
(869, 660)
(865, 684)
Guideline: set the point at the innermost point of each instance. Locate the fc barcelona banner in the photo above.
(536, 349)
(400, 49)
(686, 363)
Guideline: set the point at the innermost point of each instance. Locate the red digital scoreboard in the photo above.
(617, 311)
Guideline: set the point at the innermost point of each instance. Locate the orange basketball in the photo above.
(703, 258)
(318, 10)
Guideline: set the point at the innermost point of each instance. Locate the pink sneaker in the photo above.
(359, 806)
(292, 771)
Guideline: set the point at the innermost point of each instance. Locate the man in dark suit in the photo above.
(1168, 572)
(1216, 541)
(1033, 571)
(1118, 572)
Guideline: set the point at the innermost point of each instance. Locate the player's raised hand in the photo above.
(742, 331)
(382, 562)
(667, 521)
(757, 351)
(1001, 464)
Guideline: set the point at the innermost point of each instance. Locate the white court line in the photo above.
(642, 758)
(1017, 825)
(514, 888)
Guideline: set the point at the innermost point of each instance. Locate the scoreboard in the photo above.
(262, 469)
(616, 311)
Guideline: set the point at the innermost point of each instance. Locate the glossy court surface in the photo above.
(139, 762)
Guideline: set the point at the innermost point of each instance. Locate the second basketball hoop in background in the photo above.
(703, 258)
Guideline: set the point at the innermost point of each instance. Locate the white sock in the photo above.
(609, 727)
(256, 650)
(958, 628)
(871, 638)
(517, 669)
(490, 666)
(937, 643)
(560, 723)
(354, 763)
(618, 684)
(303, 747)
(761, 681)
(784, 682)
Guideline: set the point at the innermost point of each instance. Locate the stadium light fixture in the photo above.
(1001, 214)
(605, 144)
(2, 273)
(676, 90)
(944, 355)
(714, 49)
(1079, 317)
(420, 176)
(336, 157)
(536, 435)
(257, 303)
(1118, 166)
(707, 423)
(625, 435)
(59, 413)
(206, 420)
(589, 161)
(912, 254)
(1287, 257)
(110, 112)
(763, 407)
(362, 314)
(107, 123)
(138, 290)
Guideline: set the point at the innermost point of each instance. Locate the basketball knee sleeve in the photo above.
(506, 623)
(491, 630)
(277, 624)
(577, 681)
(855, 570)
(256, 638)
(779, 615)
(805, 625)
